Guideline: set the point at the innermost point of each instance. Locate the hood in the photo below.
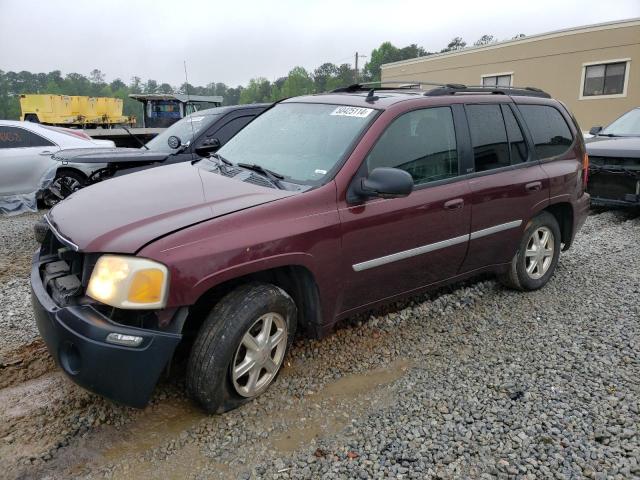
(109, 155)
(628, 147)
(123, 214)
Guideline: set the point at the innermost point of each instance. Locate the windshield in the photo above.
(627, 125)
(301, 141)
(183, 129)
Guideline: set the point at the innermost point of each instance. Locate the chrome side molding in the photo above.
(495, 229)
(394, 257)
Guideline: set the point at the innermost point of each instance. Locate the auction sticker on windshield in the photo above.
(352, 112)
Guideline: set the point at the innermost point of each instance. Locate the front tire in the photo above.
(537, 257)
(64, 184)
(241, 346)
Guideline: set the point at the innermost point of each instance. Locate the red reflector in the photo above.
(585, 169)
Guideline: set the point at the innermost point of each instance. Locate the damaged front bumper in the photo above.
(76, 337)
(612, 185)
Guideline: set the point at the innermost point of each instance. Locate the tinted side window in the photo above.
(550, 132)
(229, 129)
(422, 142)
(517, 144)
(11, 137)
(488, 137)
(37, 141)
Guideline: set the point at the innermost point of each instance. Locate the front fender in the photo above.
(254, 266)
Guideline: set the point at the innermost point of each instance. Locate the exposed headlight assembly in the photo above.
(129, 282)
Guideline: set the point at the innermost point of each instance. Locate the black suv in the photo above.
(197, 134)
(614, 162)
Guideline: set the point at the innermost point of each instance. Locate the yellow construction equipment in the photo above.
(73, 110)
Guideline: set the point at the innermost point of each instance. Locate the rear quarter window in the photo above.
(549, 130)
(15, 137)
(11, 137)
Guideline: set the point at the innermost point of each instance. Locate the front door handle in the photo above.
(46, 152)
(533, 186)
(454, 204)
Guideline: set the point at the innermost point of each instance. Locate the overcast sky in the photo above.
(234, 41)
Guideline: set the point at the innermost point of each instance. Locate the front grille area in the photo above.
(64, 272)
(629, 164)
(614, 179)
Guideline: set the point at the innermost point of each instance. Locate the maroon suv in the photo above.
(323, 206)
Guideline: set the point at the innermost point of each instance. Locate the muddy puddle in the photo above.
(183, 464)
(162, 430)
(152, 429)
(359, 383)
(126, 445)
(336, 404)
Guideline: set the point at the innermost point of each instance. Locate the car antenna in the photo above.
(126, 129)
(186, 89)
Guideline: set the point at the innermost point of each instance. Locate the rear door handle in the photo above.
(533, 186)
(454, 204)
(46, 152)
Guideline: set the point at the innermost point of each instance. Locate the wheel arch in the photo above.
(297, 280)
(563, 213)
(66, 168)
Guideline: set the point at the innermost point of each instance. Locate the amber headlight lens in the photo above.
(129, 282)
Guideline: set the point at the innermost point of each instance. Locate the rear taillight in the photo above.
(68, 131)
(75, 133)
(585, 169)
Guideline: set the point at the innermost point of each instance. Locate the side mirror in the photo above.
(210, 145)
(595, 130)
(174, 142)
(385, 182)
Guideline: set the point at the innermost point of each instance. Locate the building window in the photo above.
(497, 80)
(604, 79)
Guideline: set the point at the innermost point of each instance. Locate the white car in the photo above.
(28, 172)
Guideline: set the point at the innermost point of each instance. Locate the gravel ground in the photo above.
(17, 245)
(475, 381)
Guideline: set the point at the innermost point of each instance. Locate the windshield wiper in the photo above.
(275, 177)
(134, 137)
(608, 135)
(220, 160)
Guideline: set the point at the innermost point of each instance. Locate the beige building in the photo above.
(594, 70)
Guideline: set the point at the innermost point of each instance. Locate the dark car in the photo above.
(614, 162)
(322, 207)
(196, 134)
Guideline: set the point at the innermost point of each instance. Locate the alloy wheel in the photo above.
(259, 355)
(539, 252)
(60, 189)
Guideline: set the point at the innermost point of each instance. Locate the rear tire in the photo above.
(537, 257)
(241, 346)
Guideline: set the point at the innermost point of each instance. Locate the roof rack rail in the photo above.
(497, 90)
(443, 88)
(404, 84)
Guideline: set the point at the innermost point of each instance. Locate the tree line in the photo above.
(299, 81)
